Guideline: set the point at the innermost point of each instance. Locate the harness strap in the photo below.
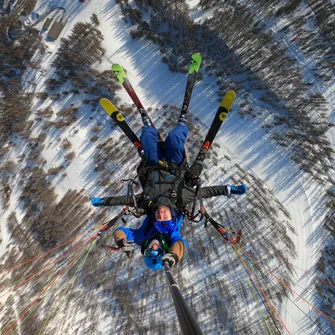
(164, 243)
(198, 181)
(164, 165)
(153, 200)
(170, 192)
(131, 196)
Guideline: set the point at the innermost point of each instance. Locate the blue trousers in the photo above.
(174, 145)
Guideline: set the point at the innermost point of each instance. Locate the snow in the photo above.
(291, 188)
(330, 96)
(244, 141)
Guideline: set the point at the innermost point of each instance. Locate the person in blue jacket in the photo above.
(167, 189)
(159, 238)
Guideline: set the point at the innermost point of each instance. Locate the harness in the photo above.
(199, 216)
(178, 172)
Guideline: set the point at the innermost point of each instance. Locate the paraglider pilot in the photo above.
(168, 187)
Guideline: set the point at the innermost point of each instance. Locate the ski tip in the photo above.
(108, 106)
(103, 101)
(119, 72)
(196, 56)
(116, 67)
(195, 63)
(228, 100)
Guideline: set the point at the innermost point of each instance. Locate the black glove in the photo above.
(172, 259)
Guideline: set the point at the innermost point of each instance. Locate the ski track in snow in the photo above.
(244, 141)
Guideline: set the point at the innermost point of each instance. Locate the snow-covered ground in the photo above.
(242, 139)
(294, 190)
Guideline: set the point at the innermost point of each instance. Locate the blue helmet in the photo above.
(154, 263)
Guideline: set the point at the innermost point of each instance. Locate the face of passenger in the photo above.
(155, 246)
(154, 249)
(163, 213)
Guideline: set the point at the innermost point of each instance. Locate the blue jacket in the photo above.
(151, 229)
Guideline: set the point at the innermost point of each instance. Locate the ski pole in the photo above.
(187, 322)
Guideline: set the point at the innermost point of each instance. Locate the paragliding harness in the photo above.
(177, 171)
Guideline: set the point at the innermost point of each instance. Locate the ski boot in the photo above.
(182, 119)
(231, 189)
(145, 118)
(201, 155)
(98, 202)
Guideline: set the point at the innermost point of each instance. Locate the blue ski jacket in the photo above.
(150, 229)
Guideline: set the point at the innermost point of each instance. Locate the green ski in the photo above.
(192, 76)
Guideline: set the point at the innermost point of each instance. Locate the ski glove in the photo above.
(128, 247)
(98, 202)
(172, 259)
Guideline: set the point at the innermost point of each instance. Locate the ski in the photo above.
(219, 118)
(191, 78)
(123, 79)
(113, 112)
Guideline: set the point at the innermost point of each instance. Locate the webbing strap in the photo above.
(131, 196)
(195, 197)
(164, 243)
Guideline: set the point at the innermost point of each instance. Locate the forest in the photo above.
(260, 51)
